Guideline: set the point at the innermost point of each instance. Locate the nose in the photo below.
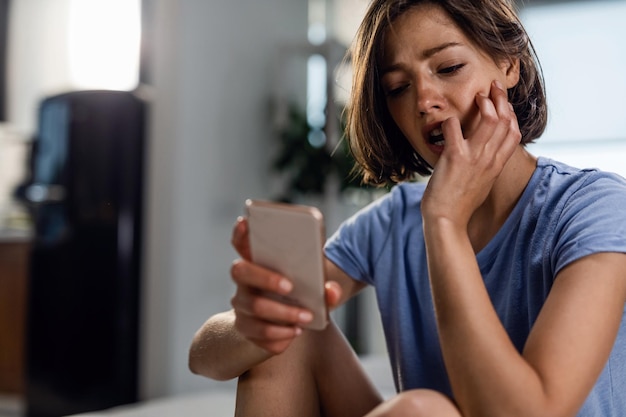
(429, 97)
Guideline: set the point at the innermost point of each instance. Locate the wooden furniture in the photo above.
(14, 253)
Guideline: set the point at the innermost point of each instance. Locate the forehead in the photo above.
(419, 30)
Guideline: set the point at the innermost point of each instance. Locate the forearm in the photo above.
(488, 375)
(219, 352)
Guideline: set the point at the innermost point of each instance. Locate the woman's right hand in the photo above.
(267, 323)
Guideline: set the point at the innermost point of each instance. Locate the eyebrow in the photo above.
(428, 53)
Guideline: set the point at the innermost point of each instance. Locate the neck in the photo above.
(505, 193)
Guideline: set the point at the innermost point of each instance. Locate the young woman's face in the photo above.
(430, 72)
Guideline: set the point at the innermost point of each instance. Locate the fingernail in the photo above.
(285, 285)
(305, 317)
(499, 85)
(238, 221)
(238, 230)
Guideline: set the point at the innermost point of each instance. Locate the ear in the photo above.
(510, 69)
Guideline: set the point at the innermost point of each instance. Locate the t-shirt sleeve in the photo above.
(358, 242)
(593, 220)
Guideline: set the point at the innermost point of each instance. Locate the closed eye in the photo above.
(451, 69)
(395, 92)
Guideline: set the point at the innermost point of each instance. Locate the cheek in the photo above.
(470, 122)
(400, 114)
(468, 109)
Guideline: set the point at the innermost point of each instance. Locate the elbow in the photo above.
(200, 367)
(213, 352)
(193, 365)
(200, 364)
(196, 366)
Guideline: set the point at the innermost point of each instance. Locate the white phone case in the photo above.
(289, 239)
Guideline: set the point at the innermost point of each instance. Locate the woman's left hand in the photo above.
(468, 167)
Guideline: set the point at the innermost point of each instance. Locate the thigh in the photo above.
(417, 403)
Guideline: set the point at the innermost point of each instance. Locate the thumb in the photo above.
(239, 238)
(333, 293)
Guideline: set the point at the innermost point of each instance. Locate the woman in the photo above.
(501, 283)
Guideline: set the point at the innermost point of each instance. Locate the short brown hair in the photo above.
(383, 154)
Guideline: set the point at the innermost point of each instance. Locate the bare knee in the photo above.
(417, 403)
(310, 373)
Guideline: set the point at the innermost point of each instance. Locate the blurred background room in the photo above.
(131, 133)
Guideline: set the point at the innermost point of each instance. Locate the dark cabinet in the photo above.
(86, 200)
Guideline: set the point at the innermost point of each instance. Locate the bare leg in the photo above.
(318, 375)
(417, 403)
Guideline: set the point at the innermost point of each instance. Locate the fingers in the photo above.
(262, 307)
(260, 315)
(498, 120)
(333, 293)
(452, 131)
(474, 157)
(496, 134)
(507, 128)
(245, 273)
(500, 99)
(272, 338)
(504, 110)
(239, 238)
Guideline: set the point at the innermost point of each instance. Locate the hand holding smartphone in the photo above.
(289, 239)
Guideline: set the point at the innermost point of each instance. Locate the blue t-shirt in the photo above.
(563, 214)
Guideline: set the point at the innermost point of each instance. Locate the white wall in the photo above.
(210, 134)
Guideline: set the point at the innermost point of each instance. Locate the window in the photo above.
(103, 40)
(580, 46)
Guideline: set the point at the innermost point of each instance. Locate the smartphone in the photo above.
(289, 239)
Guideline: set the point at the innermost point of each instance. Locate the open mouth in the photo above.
(436, 137)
